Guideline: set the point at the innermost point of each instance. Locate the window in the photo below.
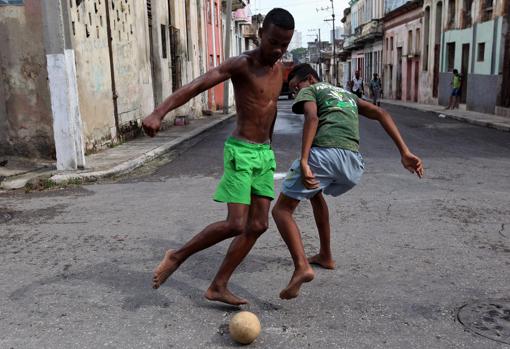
(486, 10)
(451, 13)
(450, 49)
(426, 31)
(163, 40)
(417, 41)
(466, 13)
(391, 43)
(410, 42)
(481, 52)
(208, 12)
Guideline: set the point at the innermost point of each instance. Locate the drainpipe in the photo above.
(213, 34)
(112, 68)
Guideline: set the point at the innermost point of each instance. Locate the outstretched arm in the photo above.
(409, 160)
(309, 131)
(152, 123)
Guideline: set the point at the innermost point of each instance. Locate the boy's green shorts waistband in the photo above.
(245, 143)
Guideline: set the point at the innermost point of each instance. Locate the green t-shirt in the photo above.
(338, 115)
(456, 81)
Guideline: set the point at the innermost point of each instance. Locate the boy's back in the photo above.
(337, 112)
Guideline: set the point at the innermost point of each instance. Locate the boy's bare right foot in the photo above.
(324, 262)
(298, 278)
(224, 295)
(165, 268)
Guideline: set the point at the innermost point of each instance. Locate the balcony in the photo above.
(236, 4)
(369, 31)
(249, 31)
(243, 15)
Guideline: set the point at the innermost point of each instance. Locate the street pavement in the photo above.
(76, 263)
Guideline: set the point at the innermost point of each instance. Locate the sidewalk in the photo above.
(480, 119)
(115, 161)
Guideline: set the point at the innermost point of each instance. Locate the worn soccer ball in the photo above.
(244, 327)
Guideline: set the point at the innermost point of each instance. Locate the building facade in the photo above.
(402, 50)
(363, 44)
(472, 42)
(81, 74)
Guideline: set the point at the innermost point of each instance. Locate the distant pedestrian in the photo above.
(455, 95)
(375, 89)
(357, 85)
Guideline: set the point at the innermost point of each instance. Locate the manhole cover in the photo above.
(5, 217)
(489, 318)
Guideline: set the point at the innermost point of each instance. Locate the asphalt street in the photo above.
(76, 263)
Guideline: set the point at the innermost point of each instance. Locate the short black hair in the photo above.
(302, 71)
(279, 17)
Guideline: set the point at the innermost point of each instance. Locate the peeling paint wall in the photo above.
(188, 17)
(397, 31)
(25, 107)
(129, 58)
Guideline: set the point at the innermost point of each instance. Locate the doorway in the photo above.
(464, 72)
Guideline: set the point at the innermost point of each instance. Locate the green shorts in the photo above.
(248, 170)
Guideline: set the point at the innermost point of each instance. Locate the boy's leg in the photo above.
(239, 248)
(321, 215)
(235, 224)
(282, 214)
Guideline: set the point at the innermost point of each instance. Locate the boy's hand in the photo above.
(151, 124)
(413, 163)
(308, 177)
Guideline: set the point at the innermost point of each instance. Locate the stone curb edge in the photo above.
(133, 164)
(488, 124)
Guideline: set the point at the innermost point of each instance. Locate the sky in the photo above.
(305, 13)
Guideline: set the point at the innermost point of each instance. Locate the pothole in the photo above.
(487, 318)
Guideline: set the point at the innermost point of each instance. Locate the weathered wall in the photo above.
(481, 92)
(90, 42)
(25, 107)
(131, 67)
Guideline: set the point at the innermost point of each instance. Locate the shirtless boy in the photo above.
(330, 163)
(247, 185)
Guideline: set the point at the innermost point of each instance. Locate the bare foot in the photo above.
(321, 261)
(224, 295)
(298, 278)
(165, 268)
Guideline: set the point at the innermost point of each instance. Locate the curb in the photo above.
(489, 124)
(133, 164)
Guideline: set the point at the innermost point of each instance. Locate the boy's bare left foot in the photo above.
(224, 295)
(321, 261)
(298, 278)
(165, 268)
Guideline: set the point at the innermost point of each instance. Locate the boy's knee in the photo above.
(237, 226)
(258, 227)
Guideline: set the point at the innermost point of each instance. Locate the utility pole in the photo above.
(332, 19)
(65, 107)
(228, 39)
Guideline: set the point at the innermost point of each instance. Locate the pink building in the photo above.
(214, 30)
(401, 52)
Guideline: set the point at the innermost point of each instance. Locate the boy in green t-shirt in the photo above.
(330, 163)
(455, 95)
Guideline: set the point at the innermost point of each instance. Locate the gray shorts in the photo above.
(337, 171)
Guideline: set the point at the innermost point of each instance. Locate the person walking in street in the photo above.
(375, 89)
(357, 85)
(330, 163)
(456, 84)
(247, 185)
